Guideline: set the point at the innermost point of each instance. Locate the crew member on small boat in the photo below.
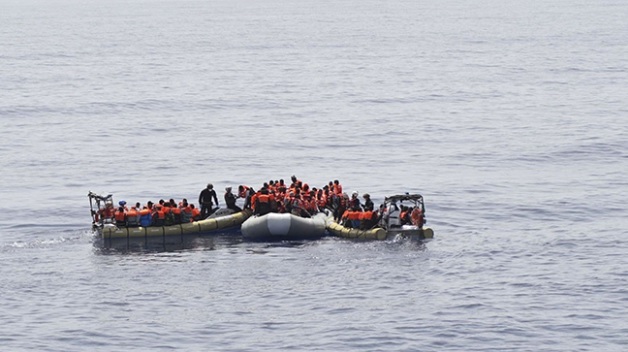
(354, 202)
(205, 200)
(368, 203)
(230, 200)
(404, 215)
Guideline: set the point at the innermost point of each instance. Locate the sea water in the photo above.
(508, 116)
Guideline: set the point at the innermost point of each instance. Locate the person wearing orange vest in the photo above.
(296, 204)
(159, 216)
(186, 212)
(354, 218)
(176, 211)
(145, 217)
(295, 181)
(311, 204)
(404, 215)
(132, 217)
(246, 192)
(337, 187)
(120, 217)
(366, 219)
(262, 202)
(196, 213)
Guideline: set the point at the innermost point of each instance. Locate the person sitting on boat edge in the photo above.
(230, 200)
(186, 212)
(205, 200)
(196, 213)
(159, 216)
(133, 217)
(145, 217)
(120, 216)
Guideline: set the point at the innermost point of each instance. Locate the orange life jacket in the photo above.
(354, 215)
(161, 214)
(254, 199)
(120, 216)
(366, 215)
(132, 212)
(403, 216)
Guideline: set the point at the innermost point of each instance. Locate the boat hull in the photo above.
(166, 236)
(283, 227)
(378, 233)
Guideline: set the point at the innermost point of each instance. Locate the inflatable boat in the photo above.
(284, 227)
(399, 216)
(109, 235)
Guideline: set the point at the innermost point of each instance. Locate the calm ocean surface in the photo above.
(508, 116)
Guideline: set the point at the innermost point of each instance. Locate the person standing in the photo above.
(205, 200)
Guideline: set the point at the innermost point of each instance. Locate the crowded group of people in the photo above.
(164, 213)
(296, 198)
(274, 196)
(299, 199)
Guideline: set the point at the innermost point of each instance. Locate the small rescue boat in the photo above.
(284, 227)
(389, 225)
(111, 236)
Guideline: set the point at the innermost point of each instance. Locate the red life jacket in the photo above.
(417, 217)
(245, 192)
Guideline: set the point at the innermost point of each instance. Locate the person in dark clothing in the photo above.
(230, 200)
(368, 203)
(354, 202)
(205, 200)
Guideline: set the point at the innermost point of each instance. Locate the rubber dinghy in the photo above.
(126, 237)
(284, 227)
(390, 224)
(145, 236)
